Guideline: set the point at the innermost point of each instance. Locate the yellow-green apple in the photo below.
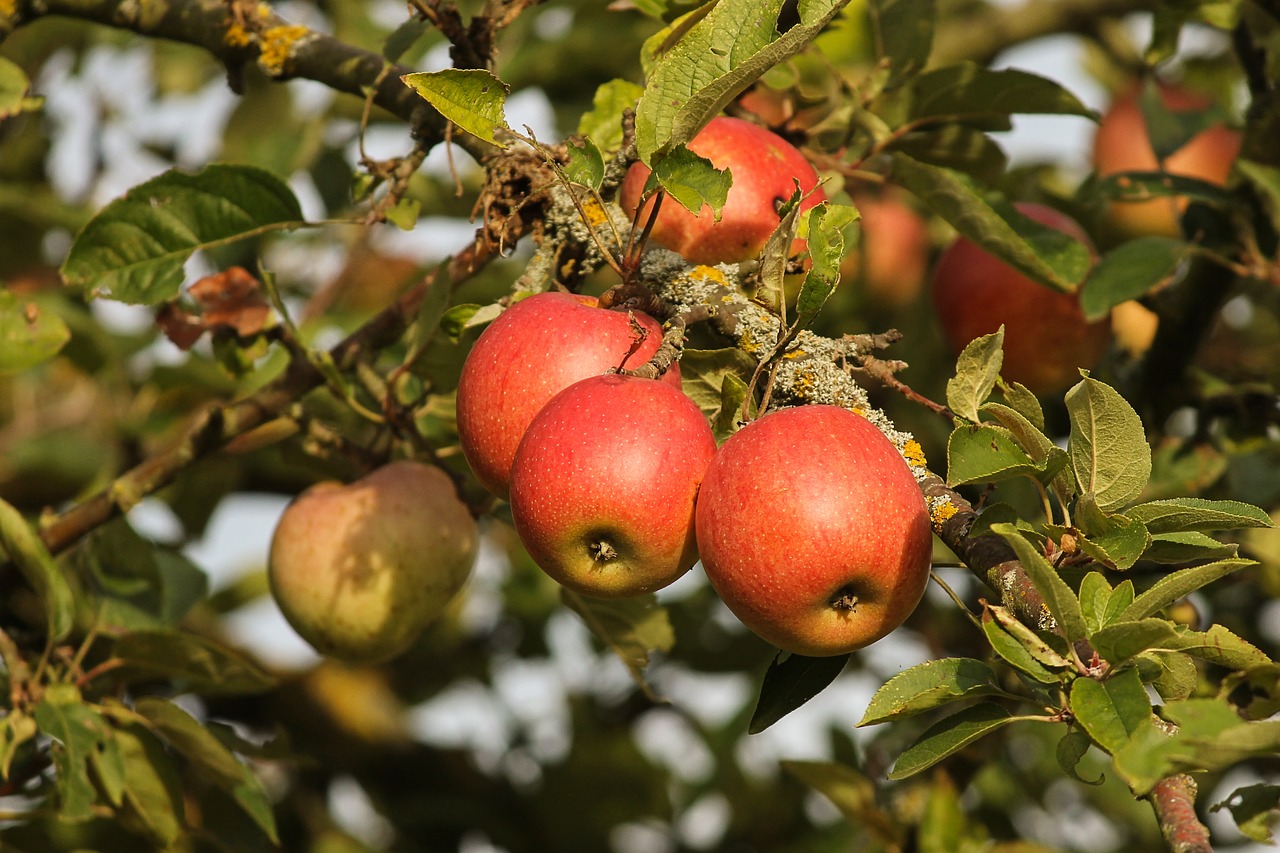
(1046, 337)
(813, 530)
(535, 349)
(765, 169)
(604, 482)
(1122, 144)
(892, 263)
(359, 570)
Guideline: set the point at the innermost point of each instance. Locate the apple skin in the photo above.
(765, 168)
(1121, 144)
(893, 261)
(1046, 337)
(535, 349)
(802, 507)
(360, 570)
(604, 483)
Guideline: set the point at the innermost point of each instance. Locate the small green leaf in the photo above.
(902, 31)
(827, 224)
(1119, 641)
(790, 681)
(1071, 748)
(1121, 598)
(704, 374)
(991, 221)
(930, 685)
(949, 735)
(1256, 810)
(1178, 585)
(133, 250)
(977, 370)
(1255, 691)
(153, 791)
(471, 98)
(631, 627)
(985, 454)
(1112, 540)
(1191, 547)
(404, 213)
(14, 87)
(1178, 676)
(1146, 186)
(109, 771)
(1131, 270)
(23, 548)
(459, 319)
(16, 728)
(733, 394)
(1218, 645)
(693, 181)
(1052, 459)
(1108, 445)
(603, 122)
(1058, 597)
(78, 730)
(199, 663)
(773, 257)
(30, 333)
(1095, 592)
(1021, 399)
(1029, 642)
(586, 164)
(1182, 514)
(1112, 710)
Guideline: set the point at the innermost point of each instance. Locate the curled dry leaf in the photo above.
(231, 299)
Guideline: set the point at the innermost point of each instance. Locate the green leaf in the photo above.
(1112, 710)
(1071, 748)
(78, 731)
(949, 735)
(1107, 445)
(1121, 598)
(1053, 460)
(1256, 810)
(146, 586)
(790, 681)
(984, 453)
(1146, 186)
(977, 370)
(134, 248)
(849, 789)
(957, 147)
(603, 122)
(719, 55)
(930, 685)
(16, 728)
(586, 164)
(1219, 646)
(1021, 399)
(14, 87)
(153, 791)
(1095, 593)
(990, 220)
(1266, 180)
(773, 257)
(902, 31)
(1131, 270)
(1178, 585)
(631, 627)
(29, 333)
(733, 394)
(215, 762)
(200, 664)
(22, 547)
(1119, 641)
(827, 223)
(1112, 540)
(692, 181)
(1178, 676)
(1191, 547)
(704, 374)
(1255, 692)
(471, 98)
(404, 213)
(109, 770)
(1029, 644)
(459, 319)
(967, 92)
(1182, 514)
(1058, 597)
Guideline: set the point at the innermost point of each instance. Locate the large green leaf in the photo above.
(1218, 645)
(1119, 641)
(718, 56)
(198, 663)
(949, 735)
(1183, 514)
(990, 220)
(977, 370)
(134, 248)
(967, 92)
(1107, 445)
(902, 31)
(929, 685)
(1179, 584)
(152, 791)
(30, 333)
(985, 453)
(1112, 710)
(471, 98)
(1131, 270)
(790, 681)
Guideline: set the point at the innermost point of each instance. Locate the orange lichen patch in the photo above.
(594, 213)
(940, 511)
(235, 36)
(795, 353)
(277, 47)
(914, 454)
(706, 273)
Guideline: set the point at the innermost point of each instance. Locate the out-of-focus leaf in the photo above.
(29, 333)
(631, 627)
(1058, 597)
(1130, 270)
(902, 31)
(977, 370)
(1119, 641)
(1255, 691)
(1111, 710)
(949, 735)
(199, 664)
(16, 728)
(930, 685)
(14, 87)
(1178, 585)
(1071, 748)
(78, 731)
(1266, 179)
(849, 789)
(1182, 514)
(1145, 186)
(1218, 645)
(24, 549)
(790, 681)
(471, 98)
(1256, 810)
(133, 250)
(984, 453)
(1178, 674)
(603, 122)
(153, 791)
(147, 586)
(957, 147)
(1108, 445)
(968, 92)
(586, 164)
(404, 37)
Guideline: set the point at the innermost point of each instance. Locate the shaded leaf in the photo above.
(1112, 540)
(1071, 748)
(949, 735)
(1130, 270)
(1111, 710)
(1192, 547)
(1119, 641)
(199, 663)
(1256, 810)
(29, 333)
(984, 453)
(16, 728)
(1266, 179)
(967, 91)
(791, 681)
(1108, 445)
(77, 730)
(1058, 597)
(1145, 186)
(22, 547)
(977, 370)
(704, 373)
(1178, 515)
(603, 122)
(902, 32)
(1178, 675)
(471, 98)
(1178, 585)
(631, 627)
(1031, 642)
(153, 792)
(133, 250)
(930, 685)
(1218, 645)
(849, 789)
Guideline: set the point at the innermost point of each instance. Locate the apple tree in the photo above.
(249, 251)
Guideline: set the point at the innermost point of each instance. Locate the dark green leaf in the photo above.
(949, 735)
(985, 454)
(199, 663)
(991, 221)
(1112, 710)
(1108, 445)
(1058, 597)
(967, 91)
(1255, 691)
(977, 369)
(902, 32)
(1131, 270)
(955, 146)
(1171, 129)
(1218, 645)
(1119, 641)
(1256, 809)
(790, 681)
(459, 319)
(27, 552)
(78, 731)
(733, 394)
(632, 627)
(1095, 593)
(133, 250)
(1192, 547)
(997, 513)
(1182, 514)
(930, 685)
(471, 98)
(1071, 748)
(30, 333)
(1014, 652)
(1145, 186)
(153, 791)
(1178, 585)
(704, 373)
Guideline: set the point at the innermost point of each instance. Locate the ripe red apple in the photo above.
(1046, 337)
(535, 349)
(892, 263)
(765, 169)
(604, 481)
(813, 531)
(359, 570)
(1122, 144)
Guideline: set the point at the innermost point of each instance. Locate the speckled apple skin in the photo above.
(803, 506)
(360, 570)
(765, 168)
(612, 459)
(1046, 337)
(535, 349)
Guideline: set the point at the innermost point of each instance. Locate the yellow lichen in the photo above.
(277, 47)
(941, 511)
(594, 213)
(914, 454)
(706, 273)
(235, 36)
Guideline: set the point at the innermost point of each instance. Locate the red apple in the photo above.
(765, 168)
(1046, 337)
(359, 570)
(535, 349)
(604, 481)
(1123, 145)
(892, 263)
(813, 530)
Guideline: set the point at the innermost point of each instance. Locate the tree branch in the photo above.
(1174, 801)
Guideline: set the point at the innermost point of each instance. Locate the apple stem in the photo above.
(602, 551)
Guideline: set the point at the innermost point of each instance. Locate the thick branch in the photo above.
(1174, 801)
